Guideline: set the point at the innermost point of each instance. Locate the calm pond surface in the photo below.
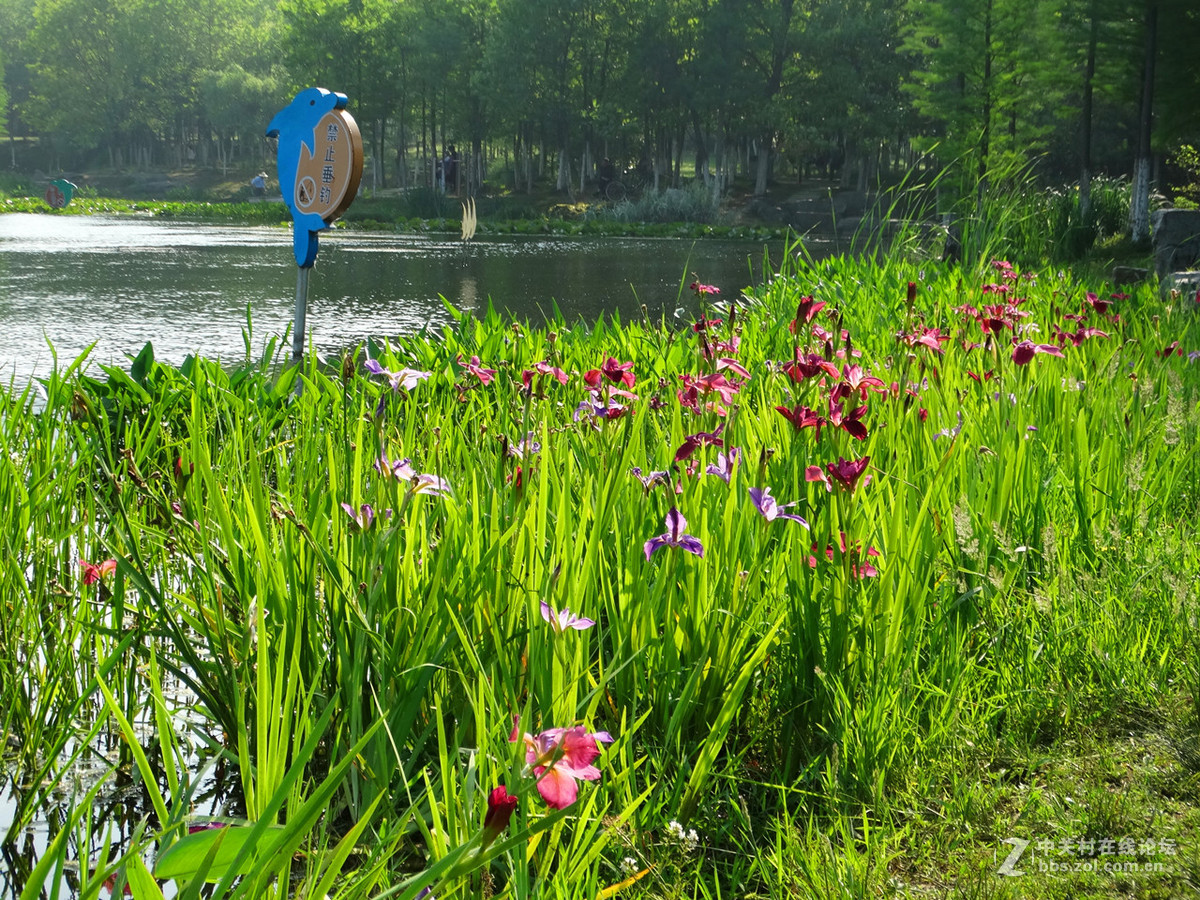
(121, 281)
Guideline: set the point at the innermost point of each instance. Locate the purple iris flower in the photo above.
(725, 463)
(400, 380)
(650, 479)
(675, 537)
(561, 621)
(771, 508)
(402, 470)
(527, 447)
(362, 518)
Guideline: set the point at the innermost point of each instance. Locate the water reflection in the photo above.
(120, 282)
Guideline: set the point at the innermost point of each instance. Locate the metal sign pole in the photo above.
(298, 335)
(320, 162)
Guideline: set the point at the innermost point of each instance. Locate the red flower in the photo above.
(473, 366)
(500, 809)
(93, 573)
(617, 373)
(806, 311)
(856, 380)
(802, 417)
(1024, 351)
(844, 473)
(704, 288)
(810, 365)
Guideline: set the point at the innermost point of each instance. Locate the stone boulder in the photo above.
(1176, 240)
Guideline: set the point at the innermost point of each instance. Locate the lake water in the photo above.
(68, 281)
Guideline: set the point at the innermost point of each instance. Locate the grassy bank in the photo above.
(497, 217)
(853, 588)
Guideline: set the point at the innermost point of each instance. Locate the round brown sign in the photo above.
(327, 180)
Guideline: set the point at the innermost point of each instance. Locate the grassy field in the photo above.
(877, 581)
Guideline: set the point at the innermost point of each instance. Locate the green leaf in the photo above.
(184, 859)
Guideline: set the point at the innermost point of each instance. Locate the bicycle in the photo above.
(617, 190)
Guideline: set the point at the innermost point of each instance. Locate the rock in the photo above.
(1176, 240)
(1186, 283)
(1126, 276)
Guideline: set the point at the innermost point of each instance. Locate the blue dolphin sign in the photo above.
(320, 164)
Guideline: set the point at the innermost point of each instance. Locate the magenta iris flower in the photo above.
(561, 757)
(1023, 351)
(674, 537)
(694, 442)
(561, 621)
(770, 508)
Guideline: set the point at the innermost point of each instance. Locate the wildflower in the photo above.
(802, 417)
(725, 362)
(1171, 348)
(618, 373)
(363, 518)
(473, 366)
(651, 479)
(951, 432)
(401, 380)
(702, 289)
(806, 311)
(856, 380)
(848, 421)
(927, 337)
(844, 473)
(674, 537)
(1094, 301)
(543, 368)
(723, 468)
(1024, 351)
(561, 621)
(687, 840)
(500, 809)
(525, 447)
(770, 508)
(402, 470)
(858, 568)
(93, 572)
(810, 365)
(560, 757)
(694, 442)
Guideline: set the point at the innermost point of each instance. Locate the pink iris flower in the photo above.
(476, 368)
(561, 621)
(93, 572)
(702, 289)
(560, 758)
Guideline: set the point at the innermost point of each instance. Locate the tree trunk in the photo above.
(1085, 143)
(764, 160)
(1139, 206)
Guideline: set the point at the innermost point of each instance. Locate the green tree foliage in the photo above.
(758, 88)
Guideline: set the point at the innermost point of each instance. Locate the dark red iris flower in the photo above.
(802, 417)
(618, 373)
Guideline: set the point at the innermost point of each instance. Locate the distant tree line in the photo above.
(536, 89)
